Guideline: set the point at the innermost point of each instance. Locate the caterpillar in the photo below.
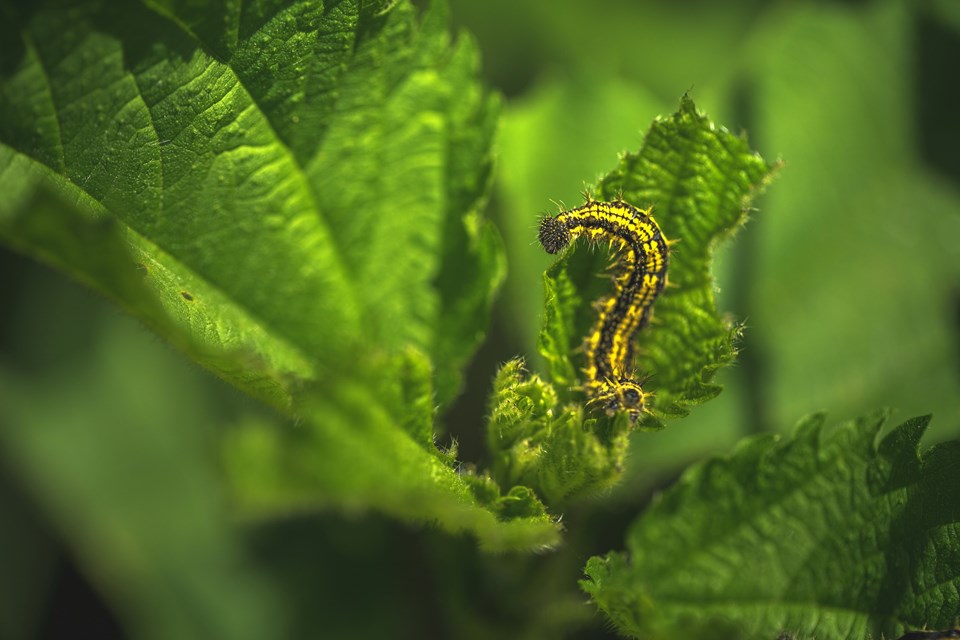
(639, 275)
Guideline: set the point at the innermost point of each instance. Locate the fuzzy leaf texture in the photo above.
(825, 535)
(700, 179)
(290, 193)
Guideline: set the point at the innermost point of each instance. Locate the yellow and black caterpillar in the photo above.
(639, 275)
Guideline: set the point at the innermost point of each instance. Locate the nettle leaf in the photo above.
(562, 454)
(290, 192)
(822, 535)
(280, 469)
(700, 179)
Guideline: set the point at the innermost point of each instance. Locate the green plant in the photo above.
(292, 194)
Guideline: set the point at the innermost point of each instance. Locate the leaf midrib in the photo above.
(278, 141)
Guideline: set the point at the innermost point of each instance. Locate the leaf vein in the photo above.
(61, 154)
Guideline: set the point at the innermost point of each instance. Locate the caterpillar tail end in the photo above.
(614, 397)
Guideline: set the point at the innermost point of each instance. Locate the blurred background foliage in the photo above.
(847, 277)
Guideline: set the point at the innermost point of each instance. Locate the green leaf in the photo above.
(120, 464)
(825, 534)
(276, 469)
(560, 452)
(699, 178)
(319, 188)
(289, 192)
(93, 248)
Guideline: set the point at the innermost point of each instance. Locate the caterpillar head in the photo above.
(554, 235)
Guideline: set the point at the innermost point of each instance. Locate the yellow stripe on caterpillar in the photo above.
(640, 266)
